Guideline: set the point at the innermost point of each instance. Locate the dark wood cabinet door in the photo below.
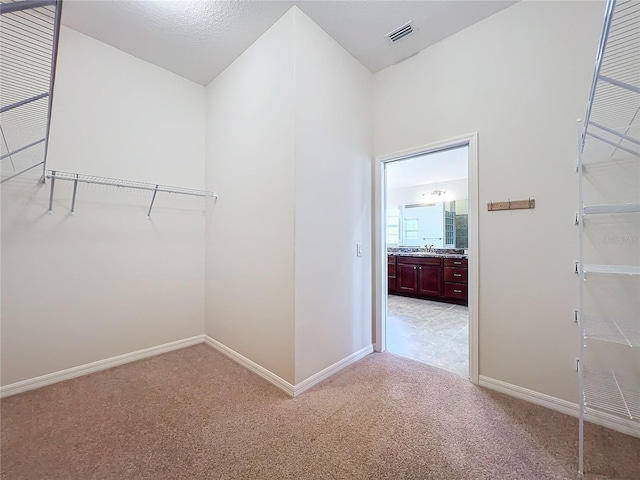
(429, 280)
(391, 267)
(391, 273)
(406, 277)
(392, 270)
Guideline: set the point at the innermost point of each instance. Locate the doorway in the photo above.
(426, 254)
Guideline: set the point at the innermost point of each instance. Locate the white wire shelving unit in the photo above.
(613, 392)
(29, 31)
(623, 330)
(611, 209)
(77, 178)
(609, 138)
(611, 269)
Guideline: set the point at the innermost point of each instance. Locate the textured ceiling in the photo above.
(198, 39)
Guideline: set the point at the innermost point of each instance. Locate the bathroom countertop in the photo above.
(428, 254)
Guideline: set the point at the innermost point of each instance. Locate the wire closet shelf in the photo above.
(29, 31)
(78, 178)
(609, 142)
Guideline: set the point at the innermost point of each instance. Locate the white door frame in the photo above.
(380, 255)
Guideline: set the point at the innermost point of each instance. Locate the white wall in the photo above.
(250, 230)
(332, 201)
(116, 115)
(520, 79)
(106, 281)
(289, 149)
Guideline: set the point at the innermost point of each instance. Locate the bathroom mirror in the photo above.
(440, 224)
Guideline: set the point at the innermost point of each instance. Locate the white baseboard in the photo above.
(55, 377)
(289, 389)
(269, 376)
(322, 375)
(569, 408)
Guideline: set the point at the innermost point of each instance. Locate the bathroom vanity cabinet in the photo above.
(429, 277)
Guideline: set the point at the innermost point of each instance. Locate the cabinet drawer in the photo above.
(455, 274)
(420, 260)
(456, 262)
(455, 290)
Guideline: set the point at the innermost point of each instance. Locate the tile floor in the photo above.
(431, 332)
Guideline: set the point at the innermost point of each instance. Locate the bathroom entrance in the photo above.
(425, 238)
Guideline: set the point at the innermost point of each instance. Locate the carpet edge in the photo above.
(331, 370)
(104, 364)
(563, 406)
(288, 388)
(259, 370)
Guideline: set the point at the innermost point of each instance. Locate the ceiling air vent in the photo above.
(399, 33)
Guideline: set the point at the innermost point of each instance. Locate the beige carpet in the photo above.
(193, 414)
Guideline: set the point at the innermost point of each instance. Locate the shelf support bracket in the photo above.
(73, 198)
(153, 199)
(53, 183)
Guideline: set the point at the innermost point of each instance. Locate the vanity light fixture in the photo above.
(435, 193)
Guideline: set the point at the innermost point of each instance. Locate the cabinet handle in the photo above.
(457, 263)
(457, 274)
(457, 291)
(414, 268)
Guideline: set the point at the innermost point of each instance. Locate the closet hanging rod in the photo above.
(53, 175)
(114, 182)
